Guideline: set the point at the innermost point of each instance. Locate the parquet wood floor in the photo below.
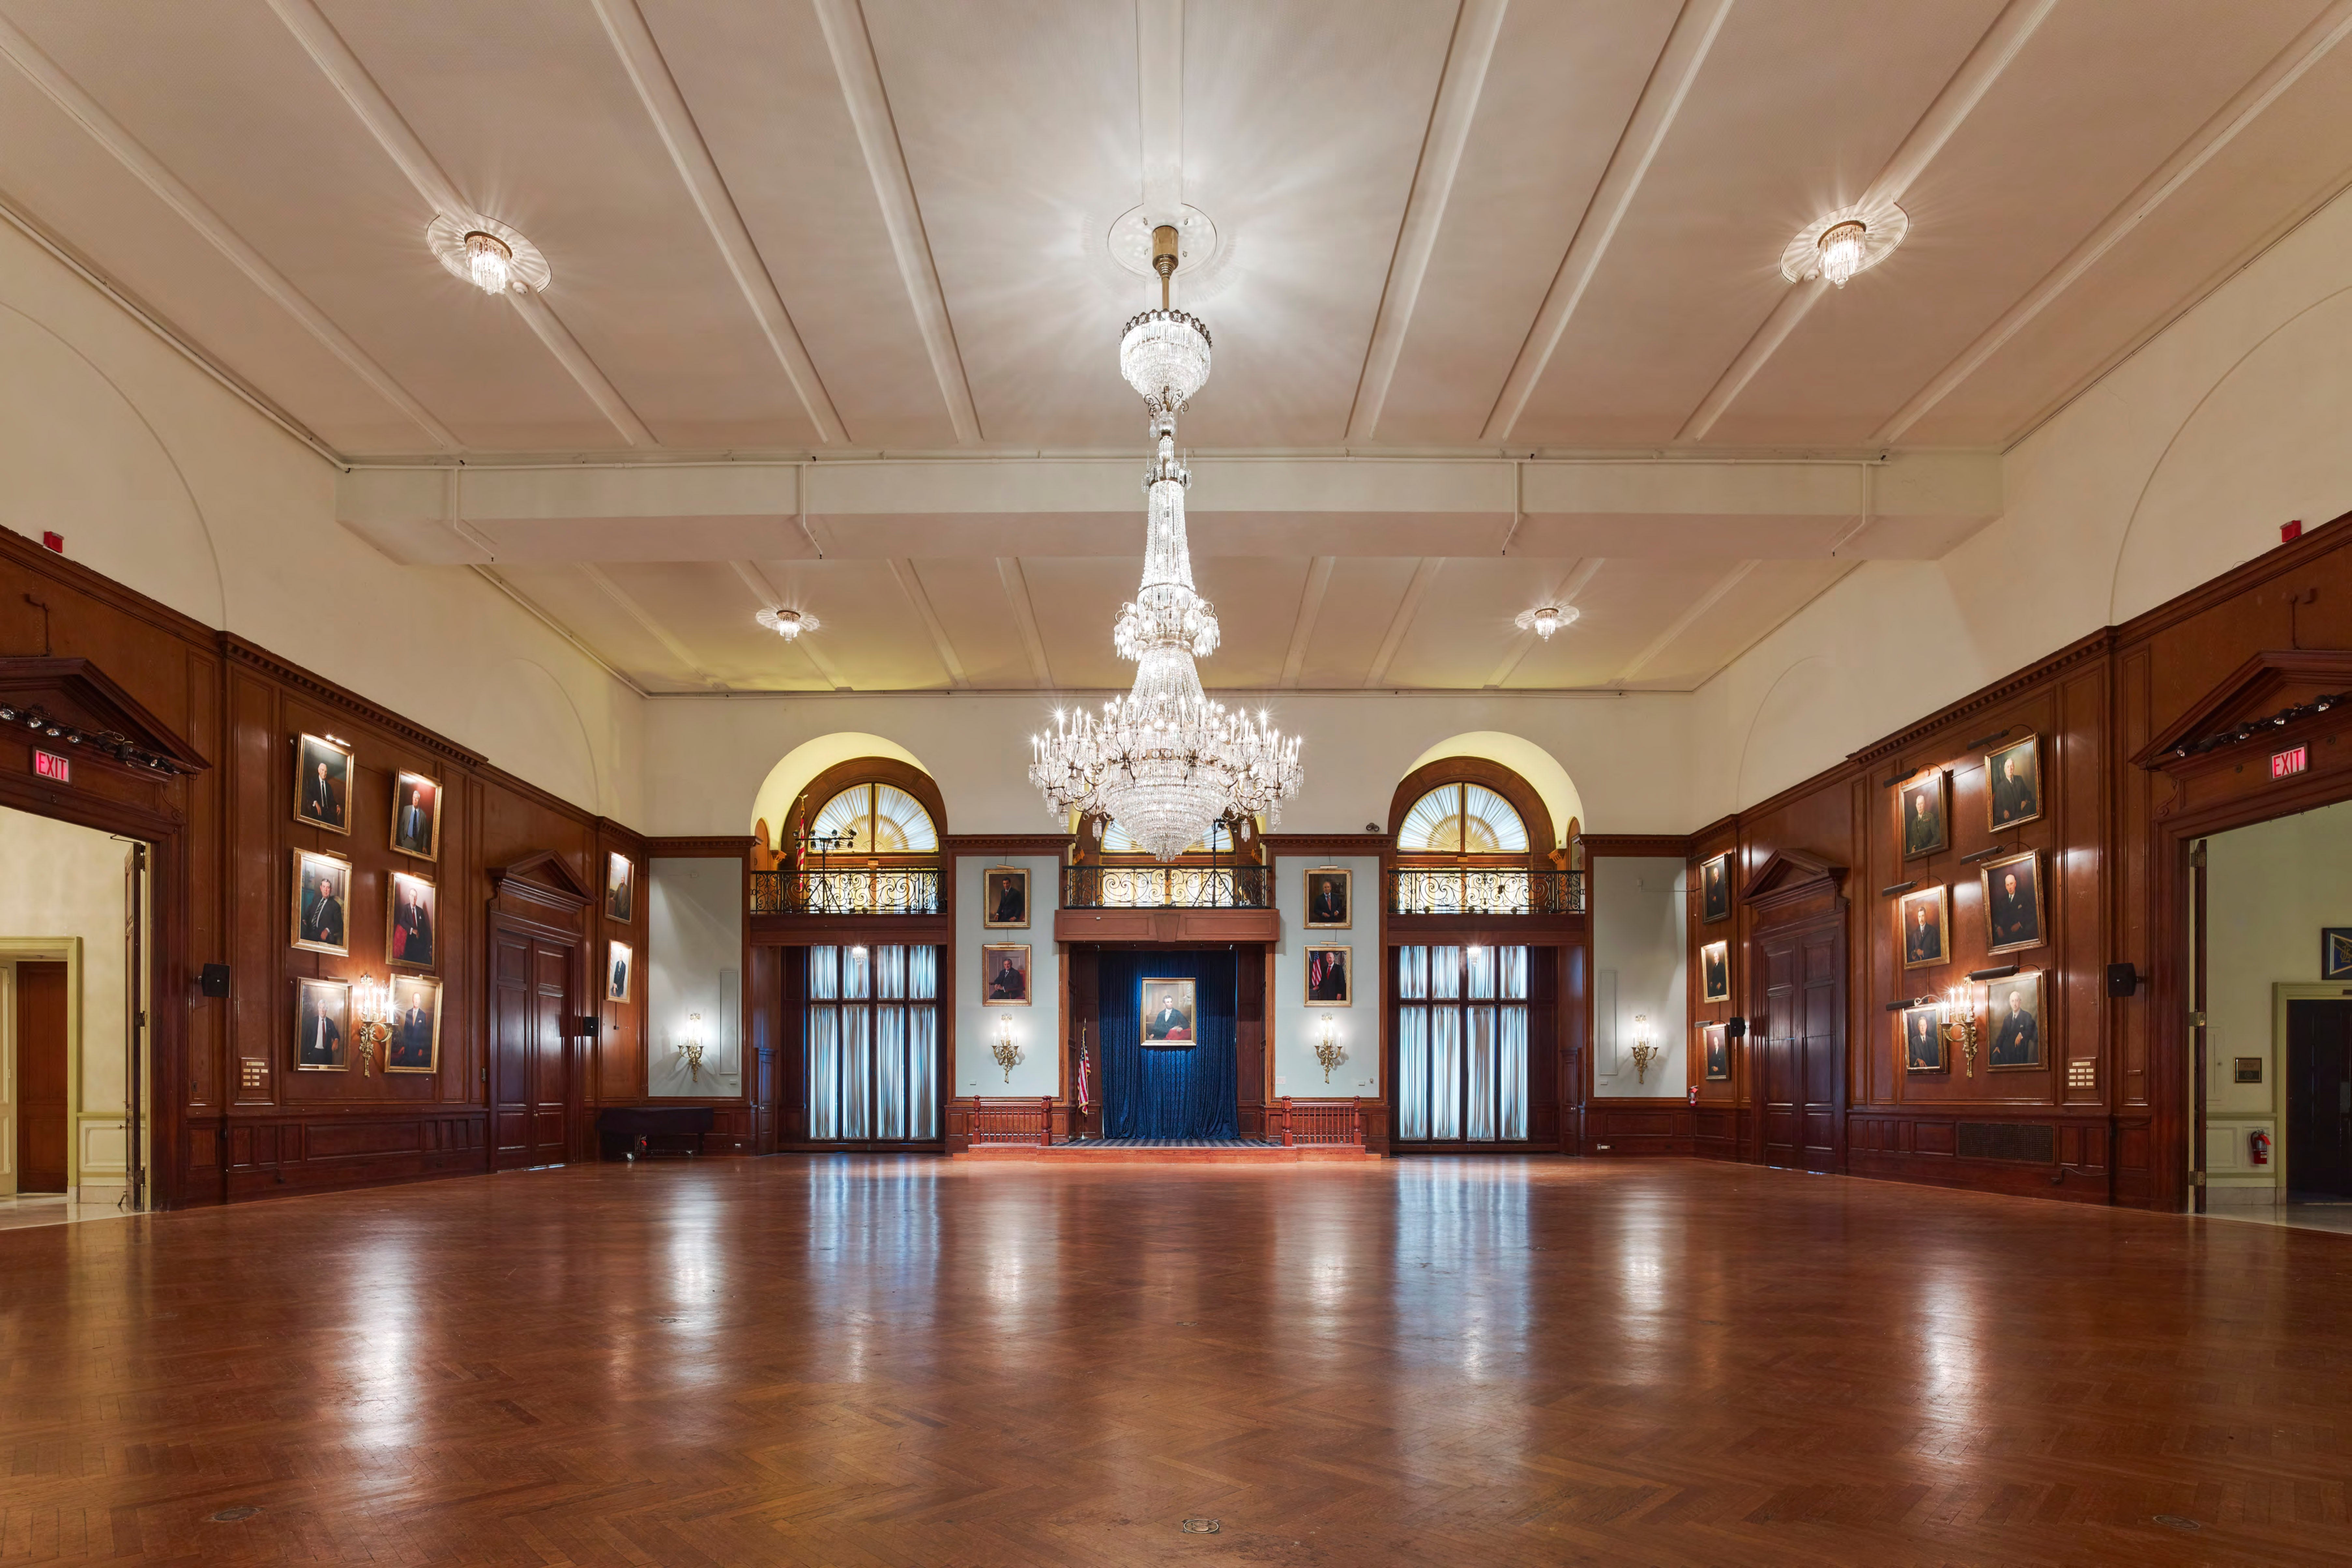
(868, 1362)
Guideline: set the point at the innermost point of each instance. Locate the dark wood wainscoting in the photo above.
(270, 1153)
(1618, 1126)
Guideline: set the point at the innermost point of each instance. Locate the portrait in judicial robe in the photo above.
(415, 1026)
(1718, 1053)
(1328, 979)
(409, 925)
(415, 816)
(1004, 897)
(1714, 890)
(322, 884)
(1168, 1012)
(322, 1015)
(1328, 899)
(1004, 973)
(322, 783)
(1715, 972)
(2017, 1027)
(1923, 927)
(2013, 784)
(1923, 1040)
(2012, 901)
(1921, 803)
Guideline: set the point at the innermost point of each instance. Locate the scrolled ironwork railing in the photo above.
(1166, 888)
(849, 890)
(1502, 891)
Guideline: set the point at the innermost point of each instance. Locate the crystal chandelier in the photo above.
(489, 261)
(1841, 251)
(1164, 762)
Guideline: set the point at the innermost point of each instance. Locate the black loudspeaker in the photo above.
(214, 980)
(2123, 980)
(1735, 1030)
(584, 1026)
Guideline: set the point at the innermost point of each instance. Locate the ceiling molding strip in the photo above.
(1687, 619)
(1159, 99)
(532, 608)
(1670, 82)
(885, 164)
(103, 129)
(1423, 574)
(643, 618)
(657, 89)
(910, 583)
(393, 132)
(1564, 592)
(2001, 43)
(1025, 616)
(1302, 630)
(2287, 68)
(1475, 27)
(764, 594)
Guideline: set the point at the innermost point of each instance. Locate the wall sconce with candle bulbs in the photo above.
(1328, 1050)
(371, 1000)
(1961, 1032)
(1644, 1053)
(690, 1046)
(1006, 1050)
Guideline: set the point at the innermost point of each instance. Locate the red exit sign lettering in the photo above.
(49, 766)
(2286, 763)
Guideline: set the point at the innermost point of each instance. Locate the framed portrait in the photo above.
(1923, 809)
(322, 782)
(2013, 784)
(323, 902)
(1170, 1019)
(410, 919)
(620, 889)
(1715, 888)
(2012, 1023)
(1717, 1041)
(2335, 953)
(2012, 901)
(1921, 1036)
(415, 1044)
(1715, 972)
(1004, 897)
(323, 1025)
(1004, 973)
(415, 816)
(618, 964)
(1330, 899)
(1330, 977)
(1923, 927)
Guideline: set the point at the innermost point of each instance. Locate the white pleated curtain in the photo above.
(873, 1043)
(1462, 1044)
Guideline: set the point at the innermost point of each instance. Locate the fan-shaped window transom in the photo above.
(1463, 820)
(879, 819)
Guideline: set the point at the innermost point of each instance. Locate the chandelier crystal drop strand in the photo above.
(1164, 762)
(1842, 252)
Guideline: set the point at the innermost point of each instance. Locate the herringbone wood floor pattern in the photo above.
(870, 1362)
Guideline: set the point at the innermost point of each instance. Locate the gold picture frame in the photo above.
(1923, 815)
(2013, 794)
(327, 1002)
(321, 922)
(1913, 938)
(403, 1053)
(620, 970)
(1003, 986)
(415, 816)
(620, 888)
(1329, 970)
(1330, 899)
(323, 798)
(2014, 909)
(1174, 1025)
(1003, 886)
(1716, 1042)
(1715, 888)
(1919, 1042)
(1715, 972)
(412, 918)
(2014, 1033)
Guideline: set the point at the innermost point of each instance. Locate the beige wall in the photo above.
(1639, 935)
(163, 480)
(2178, 466)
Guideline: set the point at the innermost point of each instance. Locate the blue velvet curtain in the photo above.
(1163, 1093)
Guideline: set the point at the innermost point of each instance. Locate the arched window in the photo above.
(878, 819)
(1463, 820)
(862, 838)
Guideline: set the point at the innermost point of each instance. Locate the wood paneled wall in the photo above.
(2105, 1117)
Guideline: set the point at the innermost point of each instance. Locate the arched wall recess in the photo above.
(774, 803)
(1524, 758)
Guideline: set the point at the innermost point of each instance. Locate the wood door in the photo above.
(531, 1047)
(1800, 1078)
(43, 1118)
(2319, 1099)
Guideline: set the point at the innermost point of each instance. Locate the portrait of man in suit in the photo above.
(616, 985)
(1004, 973)
(1327, 977)
(1718, 1054)
(2014, 784)
(411, 921)
(322, 783)
(1922, 915)
(1923, 1040)
(1715, 972)
(321, 887)
(1714, 890)
(620, 889)
(1168, 1012)
(318, 1033)
(416, 1025)
(2017, 1040)
(1327, 899)
(1922, 816)
(415, 816)
(1006, 897)
(2012, 892)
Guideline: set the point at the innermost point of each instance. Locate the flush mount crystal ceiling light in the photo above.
(487, 254)
(786, 623)
(1845, 243)
(1545, 619)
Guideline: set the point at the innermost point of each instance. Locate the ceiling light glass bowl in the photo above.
(786, 623)
(1164, 355)
(491, 255)
(489, 261)
(1843, 244)
(1545, 619)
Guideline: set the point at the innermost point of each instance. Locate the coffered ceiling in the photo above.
(1496, 292)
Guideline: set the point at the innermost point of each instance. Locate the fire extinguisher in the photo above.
(2258, 1146)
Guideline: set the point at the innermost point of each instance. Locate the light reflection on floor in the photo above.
(2336, 1217)
(52, 1208)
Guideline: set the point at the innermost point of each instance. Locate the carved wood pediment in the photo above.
(81, 711)
(1790, 876)
(2266, 696)
(542, 879)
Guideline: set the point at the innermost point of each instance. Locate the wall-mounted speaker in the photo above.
(1737, 1029)
(214, 979)
(2123, 980)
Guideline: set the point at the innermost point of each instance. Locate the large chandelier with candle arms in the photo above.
(1164, 762)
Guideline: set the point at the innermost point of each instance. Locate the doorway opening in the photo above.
(74, 998)
(2270, 1019)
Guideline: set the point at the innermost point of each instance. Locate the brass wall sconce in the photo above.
(1327, 1046)
(1006, 1050)
(1961, 1032)
(1644, 1053)
(371, 1000)
(692, 1047)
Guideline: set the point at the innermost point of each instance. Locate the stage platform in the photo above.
(1163, 1151)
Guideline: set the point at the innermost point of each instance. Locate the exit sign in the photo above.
(49, 766)
(2286, 763)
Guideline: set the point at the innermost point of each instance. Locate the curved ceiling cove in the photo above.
(774, 800)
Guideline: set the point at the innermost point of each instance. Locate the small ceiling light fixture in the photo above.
(490, 262)
(1843, 244)
(1545, 619)
(786, 623)
(487, 254)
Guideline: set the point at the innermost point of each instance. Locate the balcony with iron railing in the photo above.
(1166, 886)
(1500, 890)
(847, 890)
